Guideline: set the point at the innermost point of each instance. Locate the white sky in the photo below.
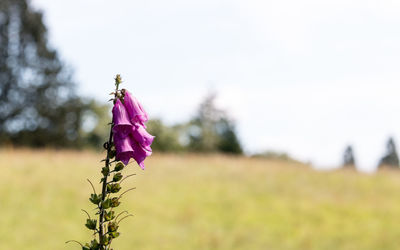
(306, 77)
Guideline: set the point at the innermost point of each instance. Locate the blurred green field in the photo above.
(200, 202)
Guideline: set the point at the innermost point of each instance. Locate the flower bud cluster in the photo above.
(106, 207)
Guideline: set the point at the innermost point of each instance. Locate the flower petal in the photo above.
(134, 108)
(140, 154)
(122, 125)
(123, 146)
(143, 137)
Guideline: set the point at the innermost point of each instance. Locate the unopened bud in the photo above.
(106, 204)
(114, 234)
(118, 79)
(113, 188)
(112, 227)
(112, 153)
(91, 224)
(109, 216)
(117, 177)
(119, 166)
(105, 171)
(115, 202)
(95, 199)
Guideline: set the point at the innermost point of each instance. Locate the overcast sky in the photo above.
(304, 77)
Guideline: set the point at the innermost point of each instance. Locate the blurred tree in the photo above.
(228, 141)
(94, 128)
(273, 155)
(348, 157)
(202, 129)
(38, 103)
(211, 130)
(167, 138)
(390, 158)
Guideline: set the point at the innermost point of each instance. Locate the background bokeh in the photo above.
(275, 121)
(304, 77)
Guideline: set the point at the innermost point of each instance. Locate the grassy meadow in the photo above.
(199, 202)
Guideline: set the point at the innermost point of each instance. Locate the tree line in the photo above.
(210, 130)
(389, 159)
(40, 105)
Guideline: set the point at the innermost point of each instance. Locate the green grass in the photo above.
(200, 202)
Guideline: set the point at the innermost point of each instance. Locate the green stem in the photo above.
(104, 183)
(104, 191)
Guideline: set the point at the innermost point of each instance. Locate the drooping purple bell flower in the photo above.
(123, 146)
(130, 136)
(142, 137)
(134, 109)
(140, 154)
(128, 148)
(122, 125)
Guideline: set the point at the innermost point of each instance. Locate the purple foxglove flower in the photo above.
(128, 148)
(122, 125)
(134, 109)
(140, 154)
(130, 136)
(142, 137)
(123, 146)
